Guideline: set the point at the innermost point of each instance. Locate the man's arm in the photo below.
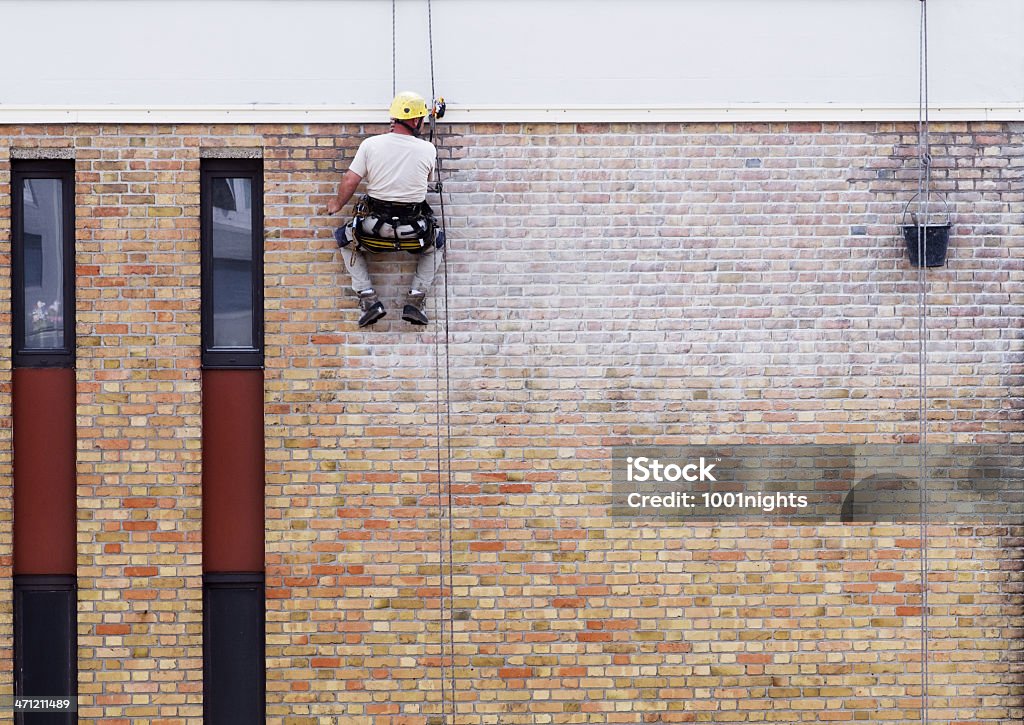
(346, 189)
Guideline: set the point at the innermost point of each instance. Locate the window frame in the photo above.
(22, 355)
(232, 681)
(56, 632)
(230, 357)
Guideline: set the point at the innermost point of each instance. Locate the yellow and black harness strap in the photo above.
(419, 218)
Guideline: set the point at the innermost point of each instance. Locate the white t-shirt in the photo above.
(396, 167)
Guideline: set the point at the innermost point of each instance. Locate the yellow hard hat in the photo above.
(408, 105)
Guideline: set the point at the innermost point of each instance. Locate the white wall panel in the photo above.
(539, 54)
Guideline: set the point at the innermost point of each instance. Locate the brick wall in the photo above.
(644, 283)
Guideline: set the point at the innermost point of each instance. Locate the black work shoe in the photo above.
(413, 310)
(372, 309)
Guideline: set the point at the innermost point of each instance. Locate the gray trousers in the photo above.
(427, 264)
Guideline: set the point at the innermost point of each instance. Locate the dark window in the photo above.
(45, 642)
(231, 203)
(43, 263)
(33, 260)
(233, 649)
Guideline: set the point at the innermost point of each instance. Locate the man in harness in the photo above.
(394, 215)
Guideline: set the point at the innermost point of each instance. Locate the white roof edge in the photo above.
(279, 113)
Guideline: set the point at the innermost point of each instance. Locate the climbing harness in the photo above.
(924, 192)
(413, 227)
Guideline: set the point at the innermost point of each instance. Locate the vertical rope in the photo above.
(430, 40)
(445, 500)
(440, 509)
(394, 50)
(924, 192)
(448, 444)
(448, 419)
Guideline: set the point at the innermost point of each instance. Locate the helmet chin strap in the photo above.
(414, 130)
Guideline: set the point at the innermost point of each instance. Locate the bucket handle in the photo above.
(913, 216)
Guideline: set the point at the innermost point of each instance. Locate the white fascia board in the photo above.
(751, 112)
(273, 113)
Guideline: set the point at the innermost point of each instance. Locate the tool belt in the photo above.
(389, 226)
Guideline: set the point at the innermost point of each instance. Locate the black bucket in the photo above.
(936, 236)
(936, 242)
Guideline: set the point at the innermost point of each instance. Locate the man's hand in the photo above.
(346, 188)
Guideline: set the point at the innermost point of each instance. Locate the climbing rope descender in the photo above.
(437, 112)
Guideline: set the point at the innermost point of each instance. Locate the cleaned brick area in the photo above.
(647, 283)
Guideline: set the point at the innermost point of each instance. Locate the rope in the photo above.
(441, 478)
(440, 503)
(448, 420)
(394, 50)
(430, 40)
(924, 191)
(445, 500)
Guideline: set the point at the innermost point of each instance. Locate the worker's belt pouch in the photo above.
(387, 226)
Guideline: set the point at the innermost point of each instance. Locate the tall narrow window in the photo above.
(44, 442)
(43, 264)
(232, 258)
(234, 470)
